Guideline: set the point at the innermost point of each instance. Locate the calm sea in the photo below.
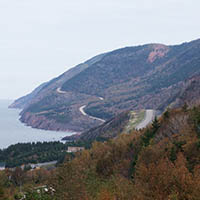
(13, 131)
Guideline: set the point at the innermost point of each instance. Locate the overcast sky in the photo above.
(40, 39)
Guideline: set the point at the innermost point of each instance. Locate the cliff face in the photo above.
(144, 77)
(42, 122)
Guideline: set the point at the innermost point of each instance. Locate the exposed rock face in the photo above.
(144, 77)
(42, 122)
(159, 51)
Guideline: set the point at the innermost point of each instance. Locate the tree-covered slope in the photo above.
(160, 162)
(49, 87)
(144, 77)
(105, 131)
(124, 122)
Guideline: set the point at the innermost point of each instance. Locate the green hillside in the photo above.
(159, 162)
(133, 78)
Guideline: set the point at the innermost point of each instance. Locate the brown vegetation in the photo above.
(140, 165)
(160, 162)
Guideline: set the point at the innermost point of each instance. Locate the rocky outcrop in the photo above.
(158, 51)
(42, 122)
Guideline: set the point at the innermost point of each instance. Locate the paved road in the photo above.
(149, 117)
(82, 107)
(82, 110)
(84, 113)
(60, 91)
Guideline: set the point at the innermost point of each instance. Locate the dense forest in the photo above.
(40, 152)
(159, 162)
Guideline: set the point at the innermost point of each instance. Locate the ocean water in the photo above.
(12, 131)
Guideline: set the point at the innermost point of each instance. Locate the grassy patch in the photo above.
(135, 118)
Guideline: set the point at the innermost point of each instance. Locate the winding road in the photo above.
(84, 113)
(101, 98)
(149, 117)
(81, 109)
(60, 91)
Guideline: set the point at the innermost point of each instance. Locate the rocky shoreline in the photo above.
(41, 122)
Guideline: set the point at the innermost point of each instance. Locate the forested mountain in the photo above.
(149, 76)
(190, 93)
(124, 122)
(160, 162)
(105, 131)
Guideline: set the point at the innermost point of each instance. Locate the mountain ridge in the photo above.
(131, 78)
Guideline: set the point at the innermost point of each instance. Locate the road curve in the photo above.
(60, 91)
(81, 109)
(149, 117)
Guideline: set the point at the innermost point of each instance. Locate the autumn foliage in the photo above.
(161, 162)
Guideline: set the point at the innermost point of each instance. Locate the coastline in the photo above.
(13, 131)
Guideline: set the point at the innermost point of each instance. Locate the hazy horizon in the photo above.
(42, 39)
